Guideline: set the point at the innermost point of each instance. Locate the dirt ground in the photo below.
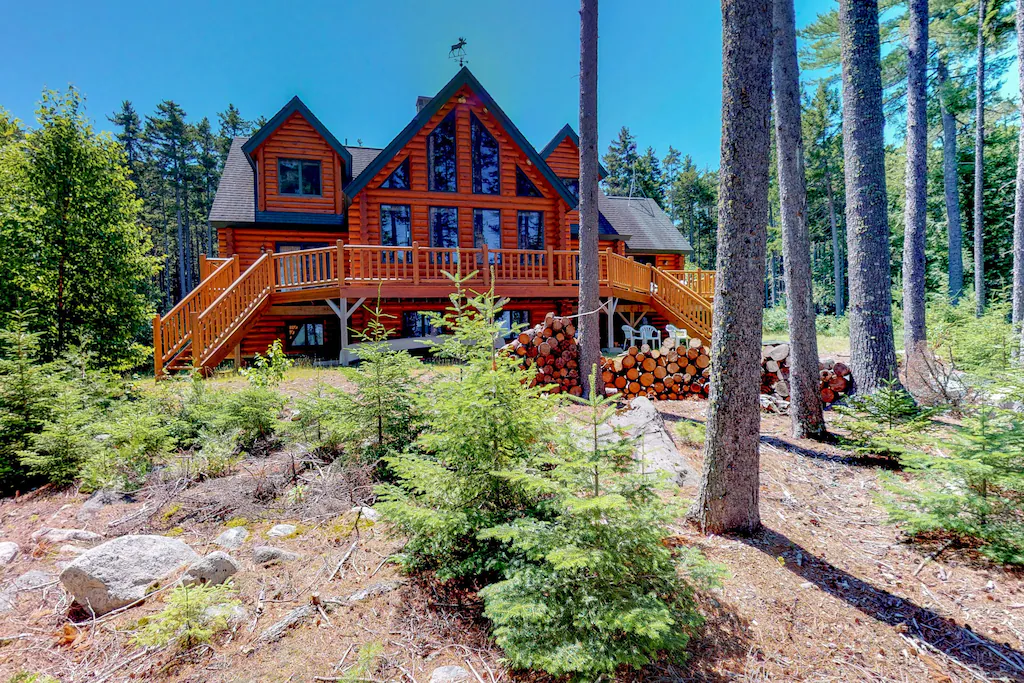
(825, 592)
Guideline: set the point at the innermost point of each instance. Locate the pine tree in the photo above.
(728, 498)
(589, 287)
(205, 177)
(26, 391)
(1018, 214)
(166, 133)
(649, 179)
(130, 138)
(804, 378)
(916, 208)
(979, 168)
(872, 348)
(620, 161)
(232, 125)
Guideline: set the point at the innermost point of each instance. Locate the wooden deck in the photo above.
(205, 326)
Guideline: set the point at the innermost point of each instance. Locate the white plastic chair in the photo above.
(649, 335)
(678, 333)
(632, 336)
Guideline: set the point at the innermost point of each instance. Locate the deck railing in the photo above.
(173, 330)
(700, 281)
(219, 321)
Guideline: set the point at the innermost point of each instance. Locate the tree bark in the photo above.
(872, 349)
(979, 170)
(804, 378)
(837, 256)
(950, 177)
(590, 294)
(728, 498)
(1018, 211)
(916, 205)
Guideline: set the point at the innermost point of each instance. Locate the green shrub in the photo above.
(593, 588)
(887, 422)
(691, 433)
(976, 345)
(66, 441)
(192, 409)
(323, 421)
(135, 438)
(478, 421)
(774, 321)
(972, 487)
(193, 615)
(252, 414)
(269, 370)
(832, 326)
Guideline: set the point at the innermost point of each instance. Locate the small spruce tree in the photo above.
(26, 392)
(66, 441)
(478, 421)
(887, 422)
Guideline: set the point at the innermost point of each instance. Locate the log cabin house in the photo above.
(311, 230)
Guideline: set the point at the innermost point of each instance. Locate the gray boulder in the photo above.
(449, 674)
(8, 551)
(266, 554)
(97, 501)
(282, 530)
(366, 513)
(55, 536)
(232, 538)
(33, 580)
(214, 569)
(120, 571)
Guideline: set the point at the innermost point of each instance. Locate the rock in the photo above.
(120, 571)
(34, 580)
(98, 500)
(449, 674)
(55, 536)
(232, 538)
(7, 601)
(266, 554)
(645, 426)
(234, 614)
(8, 551)
(374, 590)
(71, 550)
(367, 513)
(214, 569)
(282, 531)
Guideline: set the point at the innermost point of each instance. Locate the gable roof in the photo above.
(235, 200)
(296, 105)
(646, 227)
(568, 132)
(463, 78)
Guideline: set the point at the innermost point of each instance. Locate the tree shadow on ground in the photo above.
(861, 460)
(935, 632)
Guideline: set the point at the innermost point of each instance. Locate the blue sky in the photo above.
(360, 65)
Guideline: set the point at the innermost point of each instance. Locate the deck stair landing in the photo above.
(207, 325)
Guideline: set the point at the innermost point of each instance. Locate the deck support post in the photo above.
(344, 313)
(611, 304)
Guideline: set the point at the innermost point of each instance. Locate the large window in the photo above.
(486, 166)
(418, 324)
(525, 186)
(395, 229)
(441, 156)
(531, 230)
(444, 227)
(298, 176)
(487, 230)
(399, 178)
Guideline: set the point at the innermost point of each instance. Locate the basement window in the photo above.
(305, 335)
(418, 324)
(298, 177)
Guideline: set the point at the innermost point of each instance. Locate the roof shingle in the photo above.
(646, 227)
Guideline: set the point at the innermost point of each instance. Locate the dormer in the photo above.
(562, 154)
(300, 168)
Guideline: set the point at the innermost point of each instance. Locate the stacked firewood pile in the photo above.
(551, 349)
(668, 373)
(835, 377)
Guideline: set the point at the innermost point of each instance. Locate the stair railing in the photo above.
(213, 326)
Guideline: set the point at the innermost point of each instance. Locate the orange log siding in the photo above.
(250, 243)
(297, 139)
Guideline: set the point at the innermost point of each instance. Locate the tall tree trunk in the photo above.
(915, 207)
(979, 170)
(837, 256)
(590, 295)
(728, 498)
(872, 349)
(804, 378)
(950, 179)
(1018, 212)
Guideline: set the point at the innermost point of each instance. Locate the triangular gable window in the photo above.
(525, 186)
(399, 178)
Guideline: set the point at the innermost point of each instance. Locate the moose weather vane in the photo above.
(458, 52)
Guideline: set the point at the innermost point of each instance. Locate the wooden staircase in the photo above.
(209, 323)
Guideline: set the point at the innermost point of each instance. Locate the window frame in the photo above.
(301, 162)
(404, 166)
(522, 178)
(301, 324)
(422, 319)
(519, 229)
(479, 238)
